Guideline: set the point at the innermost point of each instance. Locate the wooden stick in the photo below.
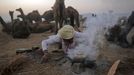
(112, 70)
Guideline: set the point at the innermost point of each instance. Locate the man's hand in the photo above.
(45, 57)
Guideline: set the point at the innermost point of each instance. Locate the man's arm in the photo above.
(45, 43)
(51, 40)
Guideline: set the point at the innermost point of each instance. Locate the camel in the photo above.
(32, 16)
(11, 15)
(6, 26)
(130, 37)
(131, 19)
(41, 27)
(82, 20)
(128, 27)
(73, 15)
(37, 27)
(48, 15)
(123, 32)
(116, 31)
(22, 15)
(113, 33)
(122, 20)
(59, 12)
(17, 28)
(20, 29)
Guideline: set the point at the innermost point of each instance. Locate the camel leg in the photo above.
(56, 27)
(72, 21)
(61, 22)
(77, 21)
(60, 44)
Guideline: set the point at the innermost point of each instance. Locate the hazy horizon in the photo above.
(83, 6)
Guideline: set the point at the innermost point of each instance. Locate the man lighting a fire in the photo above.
(69, 39)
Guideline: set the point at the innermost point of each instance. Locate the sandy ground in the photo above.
(109, 52)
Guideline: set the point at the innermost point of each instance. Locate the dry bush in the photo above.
(14, 65)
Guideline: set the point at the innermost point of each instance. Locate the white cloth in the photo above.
(56, 38)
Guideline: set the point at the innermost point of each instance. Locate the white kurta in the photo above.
(56, 38)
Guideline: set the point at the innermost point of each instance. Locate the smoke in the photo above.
(90, 44)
